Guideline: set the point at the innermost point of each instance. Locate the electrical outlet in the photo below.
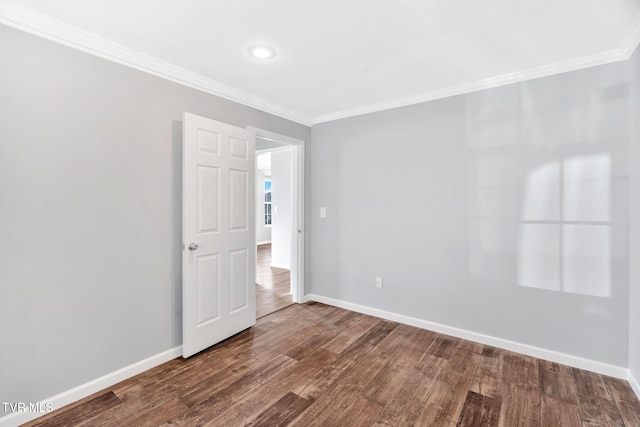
(379, 282)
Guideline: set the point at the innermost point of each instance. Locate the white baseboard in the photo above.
(285, 266)
(87, 389)
(529, 350)
(266, 242)
(633, 383)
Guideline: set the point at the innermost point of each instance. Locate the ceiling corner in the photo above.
(32, 22)
(633, 40)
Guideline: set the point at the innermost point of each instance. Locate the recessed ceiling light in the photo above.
(262, 52)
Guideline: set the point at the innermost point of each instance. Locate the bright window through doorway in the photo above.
(267, 202)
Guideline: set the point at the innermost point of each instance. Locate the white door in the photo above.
(218, 230)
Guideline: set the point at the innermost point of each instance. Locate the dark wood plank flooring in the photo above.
(316, 365)
(273, 287)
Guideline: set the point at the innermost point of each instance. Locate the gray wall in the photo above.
(634, 308)
(90, 222)
(503, 212)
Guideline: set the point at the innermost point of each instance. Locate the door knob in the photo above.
(193, 246)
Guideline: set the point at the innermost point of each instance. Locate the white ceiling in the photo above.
(337, 58)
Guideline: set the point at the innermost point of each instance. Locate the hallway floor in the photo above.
(273, 288)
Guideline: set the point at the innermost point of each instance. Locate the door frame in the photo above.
(297, 147)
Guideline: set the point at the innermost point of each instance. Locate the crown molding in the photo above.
(633, 39)
(41, 25)
(623, 53)
(46, 27)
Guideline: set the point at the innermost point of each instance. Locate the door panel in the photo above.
(208, 142)
(208, 288)
(239, 269)
(208, 199)
(219, 240)
(239, 214)
(239, 148)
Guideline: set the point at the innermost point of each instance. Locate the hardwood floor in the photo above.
(316, 365)
(273, 287)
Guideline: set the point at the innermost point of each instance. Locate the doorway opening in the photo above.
(273, 284)
(279, 214)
